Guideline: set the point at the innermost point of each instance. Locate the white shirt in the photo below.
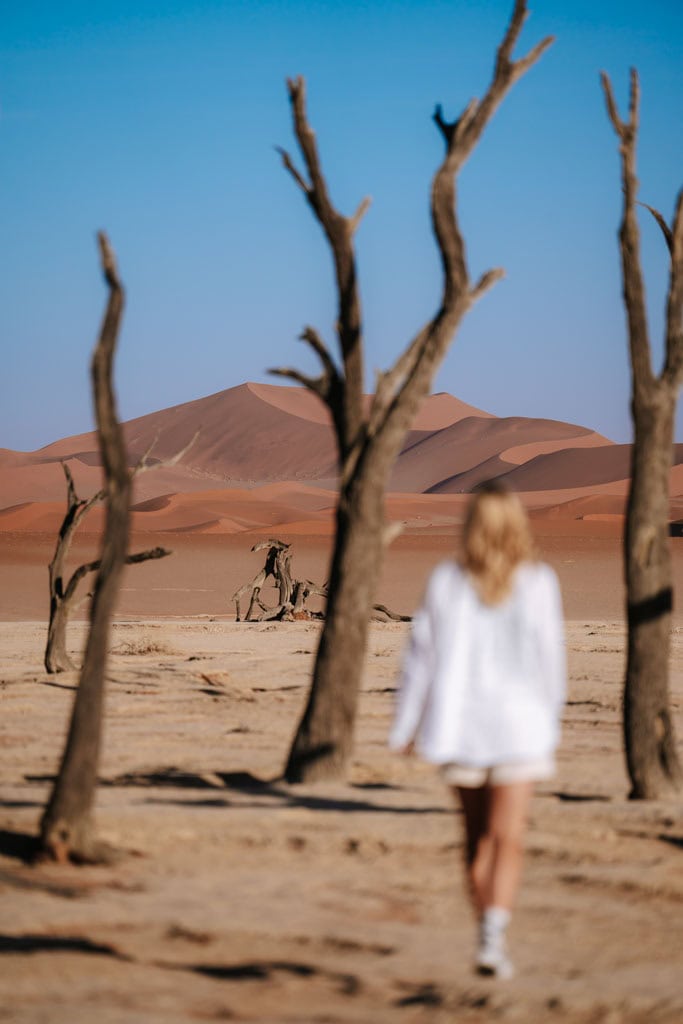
(484, 684)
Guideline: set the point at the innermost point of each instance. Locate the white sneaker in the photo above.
(493, 962)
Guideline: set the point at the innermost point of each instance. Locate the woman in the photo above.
(481, 694)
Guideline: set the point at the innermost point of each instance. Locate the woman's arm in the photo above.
(551, 639)
(416, 673)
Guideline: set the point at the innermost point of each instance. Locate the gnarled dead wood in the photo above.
(63, 595)
(369, 441)
(66, 829)
(293, 594)
(649, 740)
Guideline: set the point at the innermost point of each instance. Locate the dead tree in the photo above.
(63, 596)
(293, 594)
(66, 830)
(369, 441)
(277, 566)
(649, 738)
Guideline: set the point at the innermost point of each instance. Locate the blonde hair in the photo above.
(496, 538)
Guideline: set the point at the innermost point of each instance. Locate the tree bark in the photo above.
(368, 442)
(323, 742)
(67, 830)
(62, 596)
(57, 658)
(649, 740)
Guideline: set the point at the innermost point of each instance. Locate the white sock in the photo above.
(494, 921)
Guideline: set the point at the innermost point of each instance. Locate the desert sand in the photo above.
(240, 898)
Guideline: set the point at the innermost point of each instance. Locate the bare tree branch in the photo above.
(506, 73)
(289, 166)
(634, 100)
(88, 567)
(71, 496)
(57, 658)
(612, 110)
(316, 192)
(460, 136)
(311, 337)
(390, 383)
(77, 508)
(485, 282)
(328, 386)
(360, 213)
(449, 129)
(339, 230)
(392, 531)
(666, 230)
(673, 369)
(143, 464)
(523, 65)
(318, 385)
(629, 235)
(109, 268)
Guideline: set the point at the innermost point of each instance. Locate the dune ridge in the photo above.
(265, 458)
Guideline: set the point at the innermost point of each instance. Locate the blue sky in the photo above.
(157, 122)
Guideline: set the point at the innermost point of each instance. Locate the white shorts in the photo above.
(471, 777)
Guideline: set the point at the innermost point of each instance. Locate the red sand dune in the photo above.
(249, 435)
(523, 452)
(265, 457)
(436, 461)
(582, 468)
(438, 411)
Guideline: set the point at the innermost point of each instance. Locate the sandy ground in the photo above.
(205, 570)
(243, 899)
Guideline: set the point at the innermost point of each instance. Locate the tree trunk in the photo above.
(322, 743)
(368, 440)
(57, 658)
(66, 830)
(649, 740)
(650, 747)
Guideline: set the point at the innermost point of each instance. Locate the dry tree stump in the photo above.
(293, 593)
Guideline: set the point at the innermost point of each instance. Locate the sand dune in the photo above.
(265, 457)
(582, 468)
(221, 511)
(523, 452)
(253, 433)
(437, 411)
(436, 461)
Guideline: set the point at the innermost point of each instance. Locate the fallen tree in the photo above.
(293, 593)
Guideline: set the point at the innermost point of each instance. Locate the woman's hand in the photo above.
(408, 750)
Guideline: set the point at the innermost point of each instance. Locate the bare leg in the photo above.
(495, 821)
(507, 819)
(478, 847)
